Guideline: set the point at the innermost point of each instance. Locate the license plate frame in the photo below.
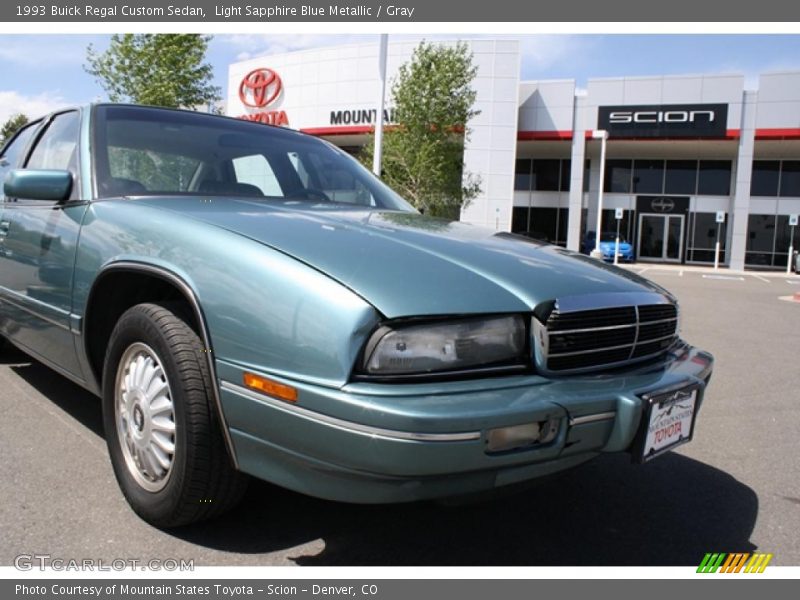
(656, 410)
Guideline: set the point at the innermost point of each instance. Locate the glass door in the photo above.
(674, 238)
(660, 238)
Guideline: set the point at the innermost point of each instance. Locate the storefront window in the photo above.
(563, 222)
(625, 224)
(703, 228)
(566, 173)
(783, 233)
(680, 177)
(522, 174)
(790, 178)
(714, 178)
(541, 223)
(586, 174)
(519, 219)
(760, 240)
(546, 174)
(766, 174)
(648, 176)
(618, 176)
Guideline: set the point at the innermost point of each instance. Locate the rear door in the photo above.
(41, 242)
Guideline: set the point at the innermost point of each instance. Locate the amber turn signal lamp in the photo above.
(270, 387)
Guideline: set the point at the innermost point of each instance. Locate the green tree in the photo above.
(157, 69)
(423, 154)
(10, 127)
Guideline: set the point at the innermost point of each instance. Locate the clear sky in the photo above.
(42, 72)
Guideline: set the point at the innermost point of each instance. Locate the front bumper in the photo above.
(624, 256)
(374, 443)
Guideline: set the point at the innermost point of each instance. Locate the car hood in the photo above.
(610, 245)
(406, 264)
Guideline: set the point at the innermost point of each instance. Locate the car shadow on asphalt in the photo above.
(606, 512)
(71, 398)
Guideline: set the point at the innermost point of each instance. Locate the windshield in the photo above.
(612, 237)
(152, 151)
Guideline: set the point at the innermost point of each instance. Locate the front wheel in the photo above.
(161, 428)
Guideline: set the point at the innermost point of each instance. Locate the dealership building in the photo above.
(689, 160)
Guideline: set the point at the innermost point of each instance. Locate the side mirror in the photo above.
(38, 184)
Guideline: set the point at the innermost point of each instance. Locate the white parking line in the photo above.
(759, 277)
(793, 281)
(666, 272)
(725, 277)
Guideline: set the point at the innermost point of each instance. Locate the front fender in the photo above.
(263, 309)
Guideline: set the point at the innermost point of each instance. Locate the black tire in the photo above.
(201, 482)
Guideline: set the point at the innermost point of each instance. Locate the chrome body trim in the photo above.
(26, 303)
(349, 426)
(636, 334)
(568, 304)
(606, 416)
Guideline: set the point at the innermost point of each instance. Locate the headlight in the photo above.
(452, 346)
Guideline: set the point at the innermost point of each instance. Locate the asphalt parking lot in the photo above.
(735, 488)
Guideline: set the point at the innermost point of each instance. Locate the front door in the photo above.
(39, 240)
(660, 238)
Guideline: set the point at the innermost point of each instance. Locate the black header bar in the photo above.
(664, 121)
(366, 11)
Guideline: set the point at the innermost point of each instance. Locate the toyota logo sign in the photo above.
(260, 87)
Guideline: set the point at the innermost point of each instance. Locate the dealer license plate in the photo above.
(669, 420)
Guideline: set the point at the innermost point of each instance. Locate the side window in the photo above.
(256, 170)
(58, 146)
(11, 155)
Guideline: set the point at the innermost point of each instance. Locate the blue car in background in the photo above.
(607, 242)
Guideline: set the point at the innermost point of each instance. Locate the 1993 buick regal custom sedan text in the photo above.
(249, 300)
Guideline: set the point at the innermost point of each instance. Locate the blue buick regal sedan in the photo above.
(249, 301)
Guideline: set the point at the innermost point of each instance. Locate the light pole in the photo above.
(602, 135)
(377, 155)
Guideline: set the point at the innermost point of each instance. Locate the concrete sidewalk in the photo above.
(675, 268)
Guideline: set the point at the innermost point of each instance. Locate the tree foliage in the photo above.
(157, 69)
(423, 154)
(11, 126)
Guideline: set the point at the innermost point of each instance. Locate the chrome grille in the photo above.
(598, 338)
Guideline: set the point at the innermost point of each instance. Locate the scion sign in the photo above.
(664, 121)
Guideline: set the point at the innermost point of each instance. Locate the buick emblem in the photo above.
(663, 204)
(260, 87)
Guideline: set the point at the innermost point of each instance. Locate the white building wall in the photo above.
(491, 149)
(667, 89)
(321, 81)
(534, 115)
(546, 105)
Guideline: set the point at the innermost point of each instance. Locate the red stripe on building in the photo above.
(778, 134)
(785, 133)
(347, 130)
(526, 136)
